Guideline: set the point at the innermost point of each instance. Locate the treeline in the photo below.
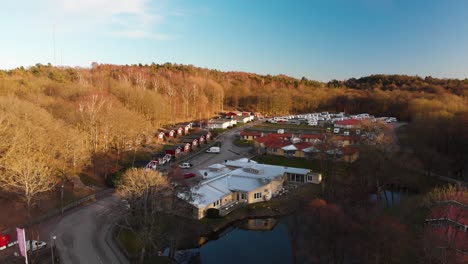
(110, 108)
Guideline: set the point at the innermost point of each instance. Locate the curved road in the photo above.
(84, 236)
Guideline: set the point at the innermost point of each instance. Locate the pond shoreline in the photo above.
(276, 207)
(204, 230)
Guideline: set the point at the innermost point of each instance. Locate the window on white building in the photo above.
(257, 195)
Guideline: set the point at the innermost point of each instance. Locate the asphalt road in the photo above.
(84, 236)
(229, 151)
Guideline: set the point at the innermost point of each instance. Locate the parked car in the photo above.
(167, 158)
(336, 130)
(189, 175)
(36, 245)
(185, 165)
(358, 131)
(346, 133)
(213, 150)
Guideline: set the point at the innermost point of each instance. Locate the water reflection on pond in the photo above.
(249, 241)
(389, 198)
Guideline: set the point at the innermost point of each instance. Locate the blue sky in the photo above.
(321, 40)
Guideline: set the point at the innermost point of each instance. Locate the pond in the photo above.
(249, 241)
(389, 198)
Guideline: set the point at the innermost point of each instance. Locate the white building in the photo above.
(243, 181)
(221, 123)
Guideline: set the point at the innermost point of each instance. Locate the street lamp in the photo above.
(61, 196)
(52, 244)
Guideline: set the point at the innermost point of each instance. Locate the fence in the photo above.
(67, 207)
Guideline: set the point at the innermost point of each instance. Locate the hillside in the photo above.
(102, 108)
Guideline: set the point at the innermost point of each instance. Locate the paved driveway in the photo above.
(84, 235)
(229, 151)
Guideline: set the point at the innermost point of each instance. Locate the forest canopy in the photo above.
(104, 108)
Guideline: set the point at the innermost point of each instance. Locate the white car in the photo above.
(336, 130)
(36, 245)
(185, 165)
(346, 133)
(213, 150)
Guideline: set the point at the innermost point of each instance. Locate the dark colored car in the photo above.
(189, 175)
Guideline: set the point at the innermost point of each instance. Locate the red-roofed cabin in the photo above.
(192, 141)
(180, 131)
(283, 136)
(250, 135)
(173, 150)
(185, 147)
(230, 115)
(208, 136)
(312, 138)
(161, 136)
(170, 133)
(296, 149)
(270, 144)
(348, 123)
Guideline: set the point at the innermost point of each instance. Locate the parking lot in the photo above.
(229, 151)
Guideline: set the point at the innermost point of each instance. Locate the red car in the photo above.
(189, 175)
(4, 240)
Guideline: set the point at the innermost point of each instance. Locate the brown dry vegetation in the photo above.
(58, 122)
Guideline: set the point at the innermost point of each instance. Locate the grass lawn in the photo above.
(242, 143)
(316, 129)
(289, 162)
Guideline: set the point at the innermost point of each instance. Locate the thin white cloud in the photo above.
(119, 18)
(105, 7)
(140, 34)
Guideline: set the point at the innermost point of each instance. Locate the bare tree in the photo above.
(25, 166)
(90, 109)
(155, 209)
(148, 194)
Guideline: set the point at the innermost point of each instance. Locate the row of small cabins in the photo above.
(188, 143)
(236, 182)
(309, 146)
(182, 140)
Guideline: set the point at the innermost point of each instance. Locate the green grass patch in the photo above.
(142, 157)
(289, 162)
(242, 142)
(316, 129)
(130, 242)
